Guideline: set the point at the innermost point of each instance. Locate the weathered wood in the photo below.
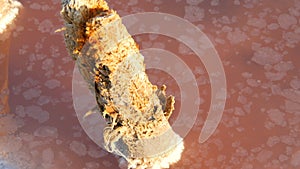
(136, 111)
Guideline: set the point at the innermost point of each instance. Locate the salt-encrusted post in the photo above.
(109, 60)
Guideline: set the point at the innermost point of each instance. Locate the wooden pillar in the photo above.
(109, 60)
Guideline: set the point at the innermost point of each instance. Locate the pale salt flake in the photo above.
(46, 26)
(46, 131)
(37, 113)
(277, 117)
(266, 55)
(293, 95)
(48, 64)
(273, 26)
(253, 82)
(8, 124)
(10, 144)
(275, 76)
(284, 66)
(20, 111)
(35, 6)
(52, 84)
(194, 2)
(194, 13)
(295, 84)
(237, 2)
(43, 100)
(31, 93)
(257, 22)
(286, 20)
(157, 2)
(132, 2)
(273, 140)
(236, 36)
(288, 140)
(295, 159)
(48, 156)
(264, 155)
(214, 2)
(78, 148)
(96, 153)
(292, 107)
(92, 165)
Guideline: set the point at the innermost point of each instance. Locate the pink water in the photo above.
(258, 42)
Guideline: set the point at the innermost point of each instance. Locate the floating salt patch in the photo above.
(46, 26)
(20, 111)
(247, 75)
(239, 111)
(277, 117)
(224, 20)
(264, 155)
(26, 137)
(8, 124)
(249, 4)
(292, 107)
(288, 140)
(284, 66)
(46, 131)
(272, 141)
(266, 55)
(35, 6)
(31, 93)
(52, 84)
(242, 152)
(283, 157)
(253, 82)
(273, 26)
(78, 148)
(286, 21)
(107, 164)
(295, 160)
(194, 2)
(275, 76)
(293, 95)
(48, 156)
(295, 84)
(93, 152)
(29, 82)
(37, 113)
(237, 2)
(43, 100)
(193, 13)
(236, 36)
(92, 165)
(132, 2)
(257, 22)
(214, 2)
(10, 144)
(48, 64)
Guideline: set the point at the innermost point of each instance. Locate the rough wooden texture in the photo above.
(136, 111)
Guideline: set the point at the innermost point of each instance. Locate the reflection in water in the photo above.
(258, 45)
(8, 12)
(4, 107)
